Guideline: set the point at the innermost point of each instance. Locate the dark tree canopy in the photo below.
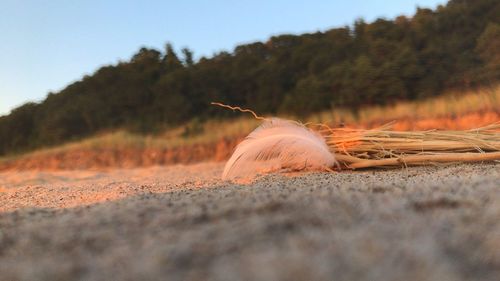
(454, 46)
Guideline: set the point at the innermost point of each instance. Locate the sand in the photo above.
(183, 223)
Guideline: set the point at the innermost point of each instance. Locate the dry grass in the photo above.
(186, 135)
(382, 147)
(449, 105)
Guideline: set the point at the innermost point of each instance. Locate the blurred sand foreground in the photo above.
(183, 223)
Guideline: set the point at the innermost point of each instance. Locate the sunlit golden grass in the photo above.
(186, 135)
(449, 105)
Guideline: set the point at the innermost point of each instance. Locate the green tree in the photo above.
(171, 60)
(188, 57)
(488, 44)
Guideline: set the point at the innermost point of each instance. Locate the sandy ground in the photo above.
(182, 223)
(72, 188)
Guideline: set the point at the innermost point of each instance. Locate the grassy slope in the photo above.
(447, 106)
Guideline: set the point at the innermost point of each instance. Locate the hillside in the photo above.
(453, 47)
(214, 140)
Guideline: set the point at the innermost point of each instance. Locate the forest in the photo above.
(455, 46)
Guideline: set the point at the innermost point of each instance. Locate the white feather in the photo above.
(278, 144)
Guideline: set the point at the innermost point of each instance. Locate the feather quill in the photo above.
(276, 145)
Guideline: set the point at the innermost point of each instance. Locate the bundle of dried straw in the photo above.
(383, 147)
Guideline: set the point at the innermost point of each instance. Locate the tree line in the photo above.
(454, 46)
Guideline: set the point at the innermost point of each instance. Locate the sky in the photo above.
(47, 44)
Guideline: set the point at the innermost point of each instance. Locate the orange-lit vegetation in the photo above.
(454, 110)
(385, 147)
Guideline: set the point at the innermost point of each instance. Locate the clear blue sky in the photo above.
(47, 44)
